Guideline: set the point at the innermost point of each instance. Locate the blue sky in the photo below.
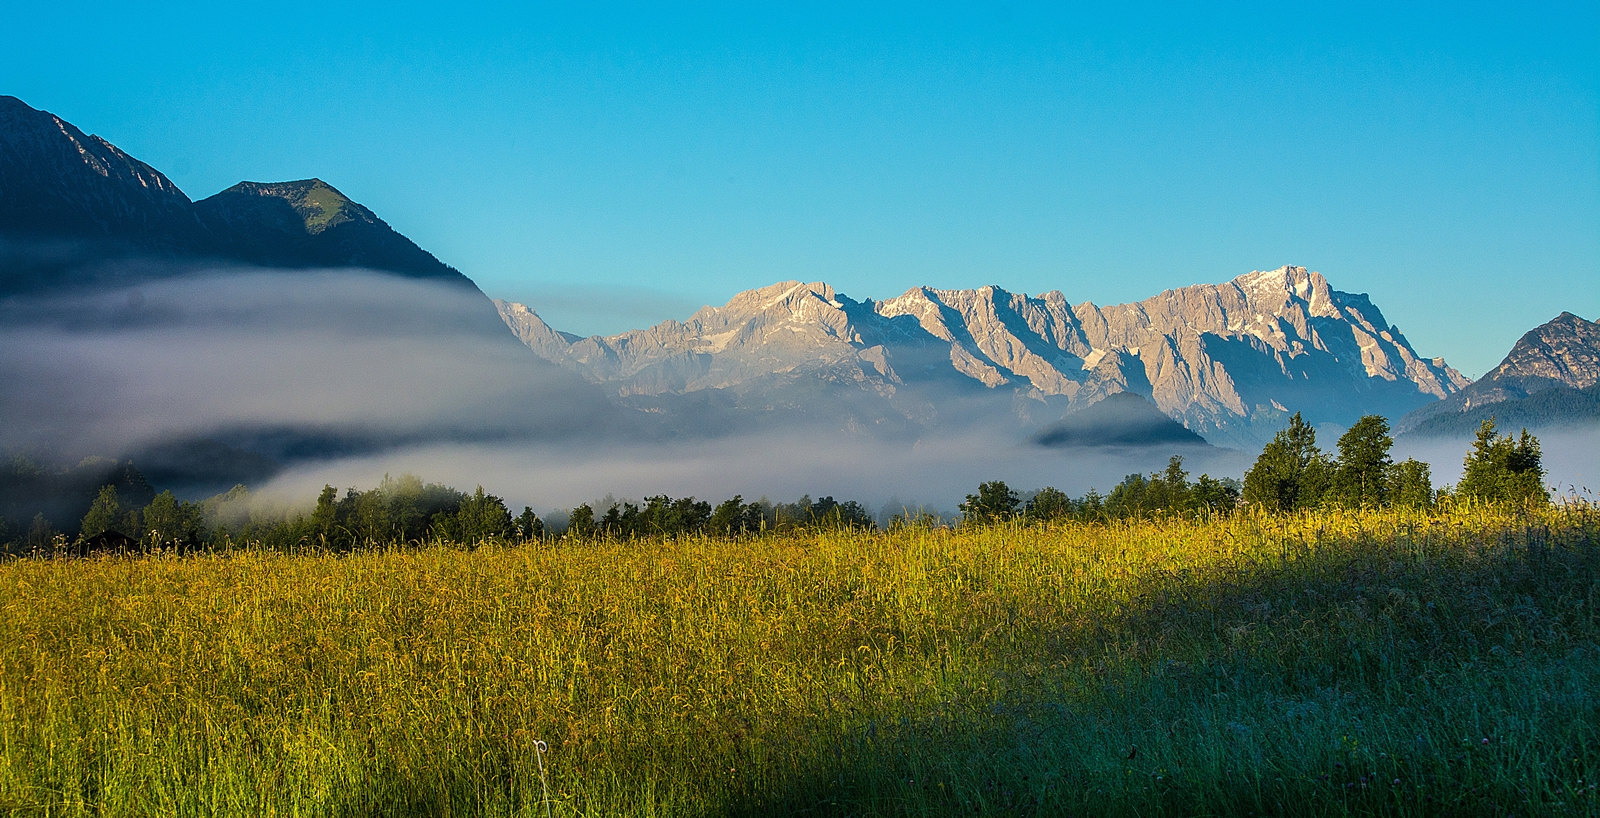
(620, 166)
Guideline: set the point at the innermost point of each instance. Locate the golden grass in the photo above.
(1289, 665)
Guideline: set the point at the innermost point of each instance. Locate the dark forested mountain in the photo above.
(75, 210)
(1228, 361)
(215, 340)
(1551, 378)
(1122, 419)
(310, 224)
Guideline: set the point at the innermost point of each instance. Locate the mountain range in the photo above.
(1228, 361)
(1223, 364)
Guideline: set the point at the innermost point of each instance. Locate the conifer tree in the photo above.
(529, 526)
(1503, 468)
(1291, 473)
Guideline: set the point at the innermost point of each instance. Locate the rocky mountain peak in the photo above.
(1227, 360)
(1566, 351)
(1548, 378)
(319, 205)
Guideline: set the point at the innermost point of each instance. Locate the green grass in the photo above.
(1253, 664)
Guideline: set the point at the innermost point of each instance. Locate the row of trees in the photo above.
(1138, 495)
(662, 515)
(1293, 473)
(407, 510)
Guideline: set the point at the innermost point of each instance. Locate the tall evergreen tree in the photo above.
(1503, 468)
(1291, 473)
(1361, 473)
(529, 526)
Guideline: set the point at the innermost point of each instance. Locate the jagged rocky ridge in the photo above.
(1551, 378)
(1229, 361)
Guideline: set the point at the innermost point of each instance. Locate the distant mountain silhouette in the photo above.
(310, 224)
(80, 217)
(1550, 379)
(75, 210)
(1120, 419)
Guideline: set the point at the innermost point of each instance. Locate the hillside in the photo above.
(1550, 379)
(218, 340)
(76, 211)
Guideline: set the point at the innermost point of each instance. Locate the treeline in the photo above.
(399, 510)
(405, 510)
(1291, 474)
(1166, 492)
(662, 515)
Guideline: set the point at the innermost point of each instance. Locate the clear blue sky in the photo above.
(617, 167)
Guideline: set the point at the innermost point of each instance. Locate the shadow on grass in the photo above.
(1413, 674)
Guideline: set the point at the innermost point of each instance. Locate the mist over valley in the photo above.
(282, 336)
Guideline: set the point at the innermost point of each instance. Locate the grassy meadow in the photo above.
(1338, 663)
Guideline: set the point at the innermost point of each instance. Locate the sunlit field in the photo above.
(1405, 663)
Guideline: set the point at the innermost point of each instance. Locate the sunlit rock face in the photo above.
(1230, 361)
(1550, 379)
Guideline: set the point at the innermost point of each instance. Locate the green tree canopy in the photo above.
(1411, 484)
(1049, 503)
(481, 517)
(1361, 473)
(1501, 468)
(734, 516)
(1291, 473)
(105, 513)
(528, 524)
(994, 502)
(580, 522)
(173, 524)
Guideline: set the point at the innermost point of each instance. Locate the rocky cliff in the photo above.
(1550, 378)
(1229, 361)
